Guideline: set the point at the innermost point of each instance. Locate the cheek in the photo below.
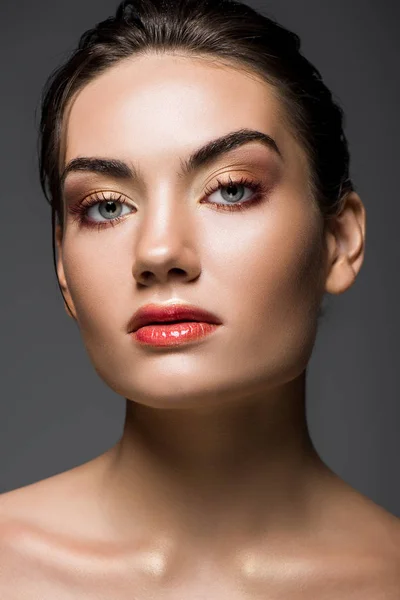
(96, 276)
(269, 263)
(271, 287)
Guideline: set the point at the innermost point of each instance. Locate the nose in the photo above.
(165, 249)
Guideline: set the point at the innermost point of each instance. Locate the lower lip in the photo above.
(173, 334)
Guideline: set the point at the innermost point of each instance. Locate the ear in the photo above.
(61, 275)
(345, 239)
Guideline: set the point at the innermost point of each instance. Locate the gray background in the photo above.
(55, 412)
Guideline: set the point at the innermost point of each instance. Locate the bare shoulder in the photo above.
(32, 510)
(371, 528)
(369, 557)
(22, 516)
(47, 537)
(60, 503)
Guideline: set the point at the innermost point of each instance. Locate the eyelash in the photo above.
(258, 188)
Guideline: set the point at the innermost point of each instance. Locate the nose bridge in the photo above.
(165, 236)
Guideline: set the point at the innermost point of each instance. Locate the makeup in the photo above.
(171, 324)
(173, 334)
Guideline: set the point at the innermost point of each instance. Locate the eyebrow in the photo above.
(208, 153)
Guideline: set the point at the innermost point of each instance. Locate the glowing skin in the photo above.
(215, 487)
(255, 269)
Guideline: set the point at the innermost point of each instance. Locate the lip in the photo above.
(165, 313)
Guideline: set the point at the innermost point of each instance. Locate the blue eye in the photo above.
(231, 192)
(233, 196)
(107, 208)
(111, 205)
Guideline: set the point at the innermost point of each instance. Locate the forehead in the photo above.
(157, 107)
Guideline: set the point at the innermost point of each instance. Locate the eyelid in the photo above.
(111, 194)
(79, 191)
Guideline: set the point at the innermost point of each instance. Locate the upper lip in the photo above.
(163, 313)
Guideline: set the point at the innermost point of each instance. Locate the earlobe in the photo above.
(341, 277)
(68, 303)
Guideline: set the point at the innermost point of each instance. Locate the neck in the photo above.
(235, 468)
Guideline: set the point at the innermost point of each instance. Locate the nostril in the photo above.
(178, 271)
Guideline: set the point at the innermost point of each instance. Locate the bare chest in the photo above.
(25, 575)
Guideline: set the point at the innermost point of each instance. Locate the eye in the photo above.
(108, 209)
(233, 194)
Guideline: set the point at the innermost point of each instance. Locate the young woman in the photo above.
(198, 176)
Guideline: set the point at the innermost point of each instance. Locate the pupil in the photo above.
(108, 205)
(230, 187)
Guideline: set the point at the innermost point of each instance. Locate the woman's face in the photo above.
(259, 270)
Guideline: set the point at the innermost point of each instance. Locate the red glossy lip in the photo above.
(158, 313)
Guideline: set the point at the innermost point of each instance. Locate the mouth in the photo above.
(170, 314)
